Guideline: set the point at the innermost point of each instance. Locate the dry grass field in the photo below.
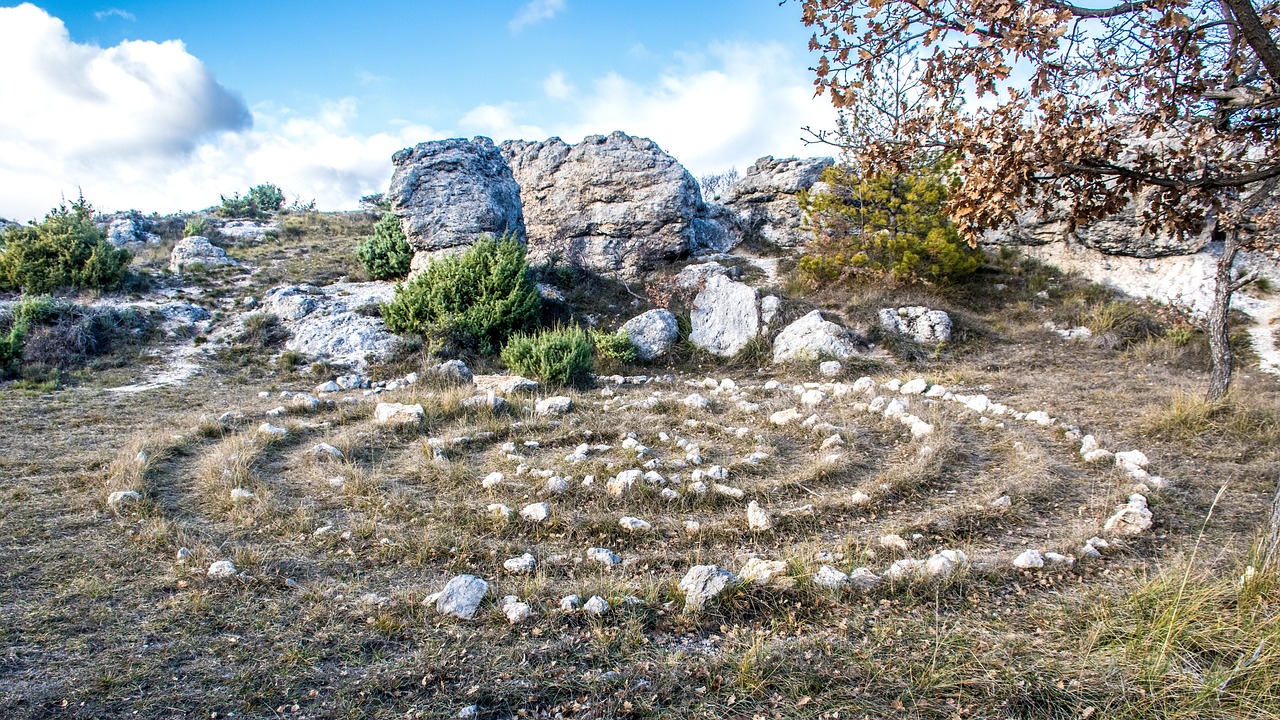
(101, 617)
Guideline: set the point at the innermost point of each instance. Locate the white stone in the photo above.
(522, 565)
(703, 584)
(222, 569)
(925, 326)
(604, 556)
(325, 451)
(634, 524)
(812, 398)
(500, 511)
(758, 520)
(945, 563)
(764, 572)
(785, 417)
(1132, 518)
(1098, 456)
(387, 413)
(596, 606)
(864, 385)
(1003, 501)
(830, 368)
(920, 429)
(516, 611)
(863, 579)
(622, 483)
(461, 596)
(696, 401)
(536, 512)
(905, 569)
(914, 387)
(1131, 458)
(570, 603)
(728, 491)
(829, 577)
(652, 333)
(725, 316)
(1039, 417)
(812, 337)
(1029, 559)
(895, 543)
(558, 405)
(197, 250)
(692, 527)
(492, 480)
(240, 495)
(267, 428)
(123, 499)
(859, 498)
(1054, 558)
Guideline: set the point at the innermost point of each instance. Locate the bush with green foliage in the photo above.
(387, 254)
(260, 201)
(887, 225)
(40, 335)
(64, 251)
(613, 348)
(196, 227)
(478, 298)
(558, 356)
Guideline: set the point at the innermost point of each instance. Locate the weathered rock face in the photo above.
(247, 230)
(1121, 234)
(197, 250)
(725, 316)
(125, 228)
(763, 203)
(610, 204)
(448, 193)
(333, 322)
(925, 326)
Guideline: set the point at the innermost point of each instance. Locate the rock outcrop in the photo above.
(725, 316)
(448, 193)
(128, 228)
(763, 205)
(612, 204)
(197, 250)
(333, 322)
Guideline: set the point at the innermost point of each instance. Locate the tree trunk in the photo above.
(1271, 535)
(1219, 337)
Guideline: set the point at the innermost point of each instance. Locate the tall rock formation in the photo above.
(762, 205)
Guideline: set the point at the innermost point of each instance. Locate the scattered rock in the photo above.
(240, 495)
(863, 579)
(758, 520)
(397, 413)
(1029, 559)
(785, 417)
(325, 451)
(703, 584)
(604, 556)
(765, 572)
(536, 512)
(895, 543)
(523, 565)
(570, 603)
(1131, 518)
(222, 569)
(453, 371)
(516, 611)
(830, 368)
(122, 500)
(945, 563)
(461, 596)
(596, 606)
(267, 428)
(829, 577)
(634, 524)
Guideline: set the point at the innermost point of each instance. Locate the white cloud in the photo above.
(556, 87)
(497, 122)
(534, 12)
(715, 110)
(115, 12)
(145, 125)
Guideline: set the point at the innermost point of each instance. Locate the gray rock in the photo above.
(558, 405)
(462, 596)
(813, 337)
(448, 193)
(122, 500)
(652, 333)
(454, 371)
(523, 565)
(252, 231)
(1131, 518)
(604, 556)
(596, 606)
(197, 250)
(332, 322)
(695, 277)
(925, 326)
(829, 577)
(763, 203)
(488, 401)
(610, 204)
(290, 302)
(704, 583)
(396, 413)
(725, 317)
(222, 569)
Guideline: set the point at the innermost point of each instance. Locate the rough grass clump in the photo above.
(262, 330)
(196, 227)
(387, 254)
(65, 251)
(561, 356)
(478, 298)
(42, 335)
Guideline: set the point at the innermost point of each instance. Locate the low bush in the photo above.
(262, 330)
(196, 227)
(40, 335)
(477, 299)
(260, 201)
(613, 349)
(559, 356)
(64, 251)
(387, 254)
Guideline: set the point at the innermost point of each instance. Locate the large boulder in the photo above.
(129, 228)
(448, 193)
(925, 326)
(611, 204)
(813, 337)
(652, 333)
(725, 316)
(197, 250)
(336, 322)
(763, 203)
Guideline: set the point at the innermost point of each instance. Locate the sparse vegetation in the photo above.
(478, 298)
(259, 202)
(64, 251)
(387, 254)
(196, 227)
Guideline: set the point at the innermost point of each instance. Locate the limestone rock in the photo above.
(925, 326)
(652, 333)
(222, 569)
(758, 519)
(523, 565)
(610, 204)
(765, 572)
(1131, 518)
(703, 584)
(453, 371)
(813, 337)
(395, 413)
(448, 193)
(333, 322)
(1028, 560)
(536, 512)
(197, 250)
(122, 500)
(763, 203)
(462, 596)
(516, 611)
(596, 606)
(604, 556)
(725, 317)
(634, 524)
(829, 577)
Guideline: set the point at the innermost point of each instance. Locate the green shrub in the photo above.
(387, 254)
(613, 348)
(478, 298)
(560, 356)
(40, 335)
(65, 251)
(259, 202)
(887, 225)
(196, 226)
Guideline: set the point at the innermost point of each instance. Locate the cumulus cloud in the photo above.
(534, 12)
(146, 125)
(722, 108)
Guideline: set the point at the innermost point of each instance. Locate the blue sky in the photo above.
(162, 106)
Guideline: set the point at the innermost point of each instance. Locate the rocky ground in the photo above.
(1024, 522)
